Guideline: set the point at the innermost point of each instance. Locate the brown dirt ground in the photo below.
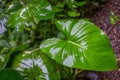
(101, 19)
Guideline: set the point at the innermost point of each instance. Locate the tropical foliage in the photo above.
(36, 44)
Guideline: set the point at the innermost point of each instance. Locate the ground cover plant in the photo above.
(42, 41)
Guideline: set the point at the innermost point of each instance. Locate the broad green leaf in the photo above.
(35, 65)
(33, 11)
(85, 46)
(9, 74)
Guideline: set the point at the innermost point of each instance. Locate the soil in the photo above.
(101, 18)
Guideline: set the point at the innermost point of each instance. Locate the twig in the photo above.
(118, 59)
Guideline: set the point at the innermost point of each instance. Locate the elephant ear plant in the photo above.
(84, 46)
(24, 55)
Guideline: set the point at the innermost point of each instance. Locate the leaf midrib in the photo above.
(74, 43)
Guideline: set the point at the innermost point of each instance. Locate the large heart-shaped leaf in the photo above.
(34, 65)
(85, 46)
(35, 9)
(9, 74)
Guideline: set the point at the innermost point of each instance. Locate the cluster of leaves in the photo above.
(113, 18)
(75, 8)
(24, 26)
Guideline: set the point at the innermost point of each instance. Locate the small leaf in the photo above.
(73, 13)
(4, 43)
(85, 46)
(113, 18)
(9, 74)
(35, 65)
(79, 3)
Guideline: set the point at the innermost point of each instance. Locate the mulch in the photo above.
(101, 19)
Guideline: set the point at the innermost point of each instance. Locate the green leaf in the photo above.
(73, 13)
(10, 74)
(2, 59)
(70, 3)
(36, 9)
(85, 46)
(35, 65)
(14, 7)
(74, 4)
(113, 18)
(79, 3)
(4, 43)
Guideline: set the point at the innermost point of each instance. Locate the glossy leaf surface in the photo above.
(35, 9)
(85, 46)
(34, 65)
(9, 74)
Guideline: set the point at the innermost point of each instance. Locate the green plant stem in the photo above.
(33, 21)
(6, 60)
(76, 73)
(31, 18)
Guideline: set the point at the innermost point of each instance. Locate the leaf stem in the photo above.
(76, 73)
(31, 18)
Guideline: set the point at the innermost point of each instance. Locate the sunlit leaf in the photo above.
(85, 46)
(9, 74)
(35, 65)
